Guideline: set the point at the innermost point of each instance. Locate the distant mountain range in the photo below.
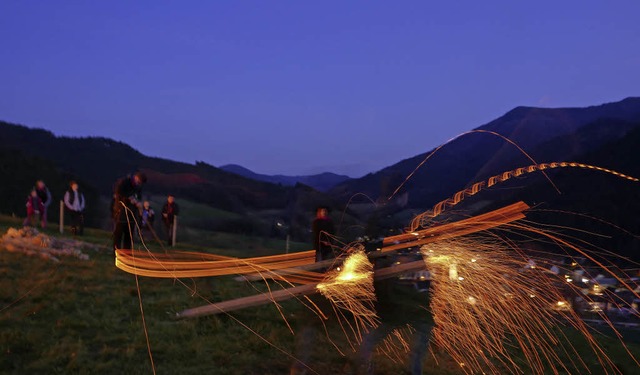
(321, 182)
(607, 135)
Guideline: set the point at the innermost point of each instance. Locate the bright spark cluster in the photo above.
(350, 289)
(487, 305)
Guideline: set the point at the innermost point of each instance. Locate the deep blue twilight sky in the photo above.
(299, 86)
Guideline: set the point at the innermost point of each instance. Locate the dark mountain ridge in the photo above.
(545, 134)
(321, 182)
(101, 161)
(606, 135)
(529, 126)
(29, 154)
(602, 207)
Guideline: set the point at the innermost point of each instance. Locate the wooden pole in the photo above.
(61, 217)
(255, 300)
(285, 294)
(174, 230)
(286, 247)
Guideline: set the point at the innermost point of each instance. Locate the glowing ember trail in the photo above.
(424, 220)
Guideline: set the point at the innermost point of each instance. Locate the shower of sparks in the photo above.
(487, 304)
(397, 344)
(350, 289)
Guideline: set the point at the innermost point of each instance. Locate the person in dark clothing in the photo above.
(169, 211)
(322, 231)
(126, 207)
(309, 322)
(399, 303)
(74, 203)
(34, 208)
(45, 196)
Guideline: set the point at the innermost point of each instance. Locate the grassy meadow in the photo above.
(84, 317)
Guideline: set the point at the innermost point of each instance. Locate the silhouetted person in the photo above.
(34, 208)
(169, 211)
(74, 203)
(309, 323)
(322, 231)
(45, 196)
(126, 207)
(399, 303)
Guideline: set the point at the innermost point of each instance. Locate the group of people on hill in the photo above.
(127, 205)
(396, 304)
(40, 199)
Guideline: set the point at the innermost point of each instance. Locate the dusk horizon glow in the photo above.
(299, 88)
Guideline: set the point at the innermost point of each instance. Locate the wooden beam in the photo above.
(285, 294)
(241, 303)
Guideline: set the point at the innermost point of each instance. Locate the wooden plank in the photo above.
(255, 300)
(285, 294)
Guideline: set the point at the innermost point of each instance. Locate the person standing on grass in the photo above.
(399, 304)
(34, 208)
(309, 322)
(126, 207)
(169, 211)
(147, 217)
(322, 231)
(74, 203)
(45, 196)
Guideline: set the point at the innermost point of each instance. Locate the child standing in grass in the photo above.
(34, 208)
(147, 218)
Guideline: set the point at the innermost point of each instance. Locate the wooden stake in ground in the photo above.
(174, 230)
(61, 217)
